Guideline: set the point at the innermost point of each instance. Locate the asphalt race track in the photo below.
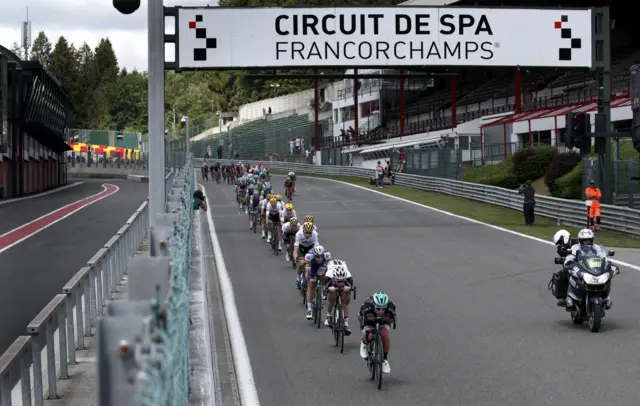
(476, 323)
(35, 270)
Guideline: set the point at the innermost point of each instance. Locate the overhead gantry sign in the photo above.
(228, 38)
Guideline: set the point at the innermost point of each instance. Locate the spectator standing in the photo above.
(291, 145)
(403, 161)
(529, 202)
(379, 175)
(593, 195)
(301, 145)
(199, 202)
(297, 142)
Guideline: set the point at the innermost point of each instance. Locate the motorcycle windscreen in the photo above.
(594, 264)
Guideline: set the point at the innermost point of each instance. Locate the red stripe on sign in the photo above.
(17, 235)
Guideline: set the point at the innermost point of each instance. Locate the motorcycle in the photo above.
(589, 286)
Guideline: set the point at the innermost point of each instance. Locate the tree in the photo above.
(63, 65)
(16, 49)
(41, 49)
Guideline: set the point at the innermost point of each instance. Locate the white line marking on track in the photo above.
(540, 240)
(244, 373)
(48, 192)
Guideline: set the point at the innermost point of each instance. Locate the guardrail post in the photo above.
(88, 304)
(96, 263)
(25, 375)
(63, 340)
(145, 273)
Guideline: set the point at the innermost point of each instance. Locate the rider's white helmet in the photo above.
(318, 250)
(339, 273)
(562, 237)
(585, 234)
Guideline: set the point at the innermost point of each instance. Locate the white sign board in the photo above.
(378, 37)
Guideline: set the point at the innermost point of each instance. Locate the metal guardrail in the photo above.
(32, 364)
(564, 211)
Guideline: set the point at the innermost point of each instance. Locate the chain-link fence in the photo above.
(626, 178)
(262, 138)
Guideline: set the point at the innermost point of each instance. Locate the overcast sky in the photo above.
(85, 21)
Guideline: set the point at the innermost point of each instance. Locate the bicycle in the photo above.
(289, 193)
(375, 354)
(337, 319)
(256, 220)
(274, 237)
(316, 303)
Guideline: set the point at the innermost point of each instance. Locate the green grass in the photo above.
(487, 213)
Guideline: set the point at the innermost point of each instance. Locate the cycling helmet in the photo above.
(562, 237)
(269, 196)
(288, 207)
(585, 236)
(327, 255)
(307, 228)
(308, 219)
(380, 299)
(339, 273)
(293, 221)
(318, 250)
(291, 174)
(279, 198)
(273, 201)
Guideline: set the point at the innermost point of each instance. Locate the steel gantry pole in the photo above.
(155, 30)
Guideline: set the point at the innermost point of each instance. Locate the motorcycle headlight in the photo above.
(595, 280)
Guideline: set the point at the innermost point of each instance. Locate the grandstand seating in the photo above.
(541, 88)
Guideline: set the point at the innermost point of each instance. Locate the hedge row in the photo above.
(562, 172)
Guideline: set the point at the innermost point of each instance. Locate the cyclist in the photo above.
(314, 273)
(292, 176)
(205, 171)
(310, 219)
(287, 213)
(289, 230)
(316, 263)
(254, 206)
(377, 308)
(304, 241)
(273, 217)
(263, 207)
(288, 187)
(241, 190)
(250, 188)
(338, 279)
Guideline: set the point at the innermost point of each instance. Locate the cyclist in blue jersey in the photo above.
(254, 206)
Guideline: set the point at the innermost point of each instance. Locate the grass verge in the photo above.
(487, 213)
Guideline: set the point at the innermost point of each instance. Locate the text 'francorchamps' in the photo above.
(383, 37)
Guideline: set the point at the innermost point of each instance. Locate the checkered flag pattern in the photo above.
(200, 54)
(564, 54)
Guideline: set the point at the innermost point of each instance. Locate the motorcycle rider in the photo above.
(563, 241)
(585, 245)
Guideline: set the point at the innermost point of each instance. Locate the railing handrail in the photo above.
(71, 315)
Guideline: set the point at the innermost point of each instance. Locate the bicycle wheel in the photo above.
(341, 329)
(371, 360)
(303, 292)
(380, 359)
(318, 303)
(334, 324)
